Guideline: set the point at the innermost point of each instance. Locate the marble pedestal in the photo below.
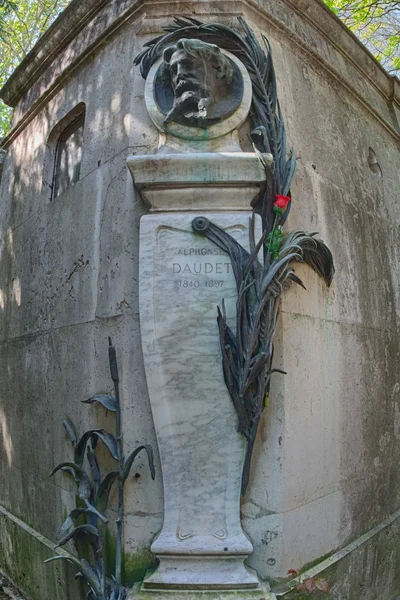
(183, 279)
(261, 593)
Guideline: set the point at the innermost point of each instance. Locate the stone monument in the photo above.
(211, 276)
(198, 95)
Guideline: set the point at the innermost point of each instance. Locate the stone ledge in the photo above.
(79, 12)
(323, 566)
(198, 181)
(23, 551)
(263, 593)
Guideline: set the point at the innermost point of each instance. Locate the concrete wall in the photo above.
(326, 465)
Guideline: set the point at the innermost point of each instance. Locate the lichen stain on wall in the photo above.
(6, 438)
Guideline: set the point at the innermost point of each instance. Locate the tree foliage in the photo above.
(22, 22)
(377, 24)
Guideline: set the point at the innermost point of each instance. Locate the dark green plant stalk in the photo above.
(118, 430)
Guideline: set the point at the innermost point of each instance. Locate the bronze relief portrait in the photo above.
(197, 84)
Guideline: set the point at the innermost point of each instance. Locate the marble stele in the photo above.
(183, 279)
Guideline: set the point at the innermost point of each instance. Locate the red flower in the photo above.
(280, 204)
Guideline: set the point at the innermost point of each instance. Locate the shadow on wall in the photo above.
(57, 258)
(26, 297)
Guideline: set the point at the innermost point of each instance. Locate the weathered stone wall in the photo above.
(332, 430)
(326, 467)
(69, 280)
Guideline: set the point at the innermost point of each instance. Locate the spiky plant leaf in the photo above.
(87, 531)
(94, 467)
(69, 521)
(317, 255)
(92, 510)
(88, 573)
(120, 595)
(65, 527)
(132, 456)
(92, 573)
(104, 490)
(71, 559)
(80, 447)
(105, 400)
(108, 439)
(85, 489)
(70, 430)
(293, 277)
(75, 470)
(247, 354)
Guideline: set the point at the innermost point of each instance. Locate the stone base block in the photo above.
(200, 573)
(198, 181)
(262, 593)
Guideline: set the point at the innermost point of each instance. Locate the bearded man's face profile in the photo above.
(199, 75)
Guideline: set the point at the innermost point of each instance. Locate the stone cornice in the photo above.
(79, 15)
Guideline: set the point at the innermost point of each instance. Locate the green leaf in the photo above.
(132, 456)
(309, 584)
(104, 491)
(75, 514)
(21, 25)
(85, 488)
(86, 530)
(375, 24)
(75, 470)
(105, 400)
(94, 467)
(84, 568)
(94, 511)
(322, 585)
(71, 431)
(108, 439)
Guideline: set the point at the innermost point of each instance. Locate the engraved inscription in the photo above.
(190, 277)
(199, 268)
(186, 272)
(201, 251)
(194, 271)
(186, 283)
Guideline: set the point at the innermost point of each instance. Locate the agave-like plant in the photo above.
(94, 492)
(247, 354)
